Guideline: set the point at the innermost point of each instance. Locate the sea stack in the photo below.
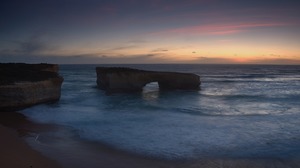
(118, 79)
(24, 85)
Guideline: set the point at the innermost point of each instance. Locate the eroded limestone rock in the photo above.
(113, 79)
(24, 85)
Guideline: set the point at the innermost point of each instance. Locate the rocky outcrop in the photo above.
(24, 85)
(113, 79)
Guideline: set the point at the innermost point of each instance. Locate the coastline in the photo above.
(52, 150)
(15, 153)
(19, 148)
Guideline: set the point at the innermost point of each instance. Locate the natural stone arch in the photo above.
(116, 79)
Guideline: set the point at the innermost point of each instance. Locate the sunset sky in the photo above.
(152, 31)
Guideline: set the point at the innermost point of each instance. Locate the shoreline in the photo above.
(58, 146)
(15, 153)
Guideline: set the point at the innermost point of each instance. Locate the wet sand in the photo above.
(15, 153)
(62, 147)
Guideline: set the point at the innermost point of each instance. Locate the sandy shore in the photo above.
(15, 153)
(72, 152)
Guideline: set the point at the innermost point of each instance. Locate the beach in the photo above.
(16, 153)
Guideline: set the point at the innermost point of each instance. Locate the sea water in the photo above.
(240, 111)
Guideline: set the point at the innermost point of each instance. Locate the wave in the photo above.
(223, 79)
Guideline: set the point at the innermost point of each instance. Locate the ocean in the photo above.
(241, 111)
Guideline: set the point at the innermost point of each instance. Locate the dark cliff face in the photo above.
(24, 85)
(133, 80)
(16, 72)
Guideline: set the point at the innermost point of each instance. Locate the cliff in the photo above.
(24, 85)
(112, 79)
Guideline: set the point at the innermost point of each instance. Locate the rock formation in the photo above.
(24, 85)
(113, 79)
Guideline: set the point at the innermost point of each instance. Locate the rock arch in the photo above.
(118, 79)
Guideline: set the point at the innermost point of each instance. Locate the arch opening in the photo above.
(151, 91)
(150, 87)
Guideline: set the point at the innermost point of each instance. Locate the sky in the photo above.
(150, 31)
